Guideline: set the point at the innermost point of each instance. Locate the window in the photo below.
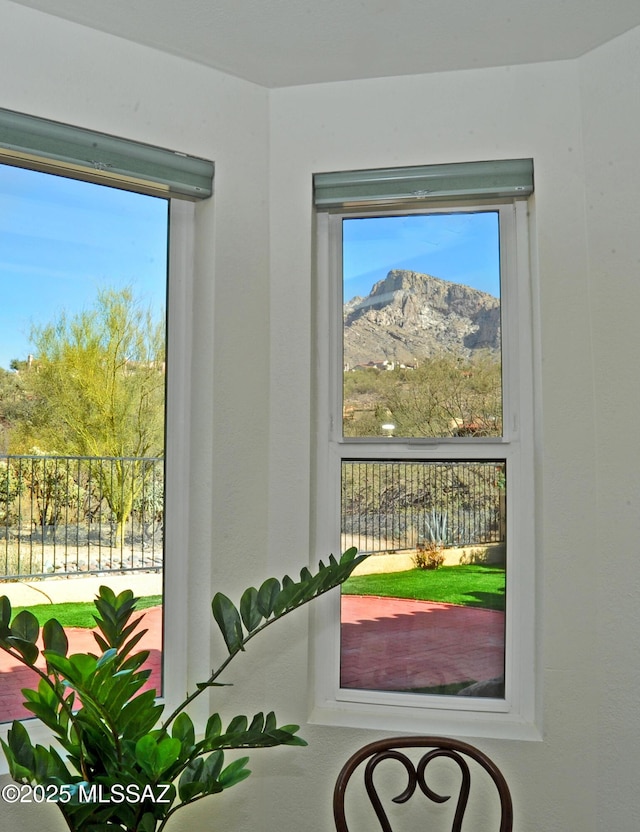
(100, 228)
(425, 447)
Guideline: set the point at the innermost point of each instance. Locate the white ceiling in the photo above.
(279, 43)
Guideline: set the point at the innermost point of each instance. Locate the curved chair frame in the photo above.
(376, 752)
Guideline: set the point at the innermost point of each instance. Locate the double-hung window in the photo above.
(96, 234)
(425, 442)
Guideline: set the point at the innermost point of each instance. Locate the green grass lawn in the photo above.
(472, 586)
(78, 614)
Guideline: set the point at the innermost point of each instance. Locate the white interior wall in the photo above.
(513, 112)
(65, 72)
(251, 409)
(610, 87)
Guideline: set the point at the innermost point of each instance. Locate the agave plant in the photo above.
(121, 766)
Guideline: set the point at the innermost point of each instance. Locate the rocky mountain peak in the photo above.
(410, 316)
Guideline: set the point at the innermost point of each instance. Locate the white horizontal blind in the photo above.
(53, 147)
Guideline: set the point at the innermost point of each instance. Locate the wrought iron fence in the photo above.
(61, 515)
(395, 506)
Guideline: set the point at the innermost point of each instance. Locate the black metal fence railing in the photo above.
(394, 506)
(61, 515)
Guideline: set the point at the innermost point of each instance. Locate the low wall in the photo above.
(58, 590)
(492, 554)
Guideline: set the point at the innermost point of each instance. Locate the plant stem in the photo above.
(214, 675)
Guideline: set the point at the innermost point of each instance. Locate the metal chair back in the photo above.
(439, 747)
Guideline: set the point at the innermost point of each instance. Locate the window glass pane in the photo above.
(422, 334)
(83, 274)
(426, 612)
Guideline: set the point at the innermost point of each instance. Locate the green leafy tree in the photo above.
(447, 395)
(49, 486)
(11, 487)
(15, 406)
(98, 378)
(113, 738)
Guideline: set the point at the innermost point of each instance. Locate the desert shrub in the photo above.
(429, 555)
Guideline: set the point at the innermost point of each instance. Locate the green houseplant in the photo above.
(121, 765)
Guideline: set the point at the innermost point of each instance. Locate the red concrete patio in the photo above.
(387, 644)
(398, 644)
(14, 676)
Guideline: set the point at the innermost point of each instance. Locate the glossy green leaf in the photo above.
(106, 658)
(107, 611)
(126, 648)
(210, 684)
(187, 790)
(20, 745)
(228, 620)
(84, 665)
(58, 771)
(133, 662)
(42, 706)
(44, 693)
(251, 615)
(234, 773)
(18, 771)
(25, 626)
(351, 555)
(27, 649)
(257, 723)
(139, 715)
(126, 600)
(184, 731)
(191, 781)
(214, 726)
(289, 596)
(115, 690)
(107, 594)
(77, 668)
(5, 611)
(155, 757)
(102, 644)
(291, 730)
(267, 595)
(237, 725)
(54, 637)
(59, 663)
(40, 763)
(212, 768)
(168, 752)
(147, 823)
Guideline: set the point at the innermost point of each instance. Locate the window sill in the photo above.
(395, 718)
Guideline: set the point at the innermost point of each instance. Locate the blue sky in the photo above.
(61, 240)
(460, 247)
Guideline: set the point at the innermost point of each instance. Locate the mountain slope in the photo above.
(409, 316)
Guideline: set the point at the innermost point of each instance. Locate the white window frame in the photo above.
(517, 716)
(177, 457)
(177, 450)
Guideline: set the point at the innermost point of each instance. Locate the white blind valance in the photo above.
(53, 147)
(463, 180)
